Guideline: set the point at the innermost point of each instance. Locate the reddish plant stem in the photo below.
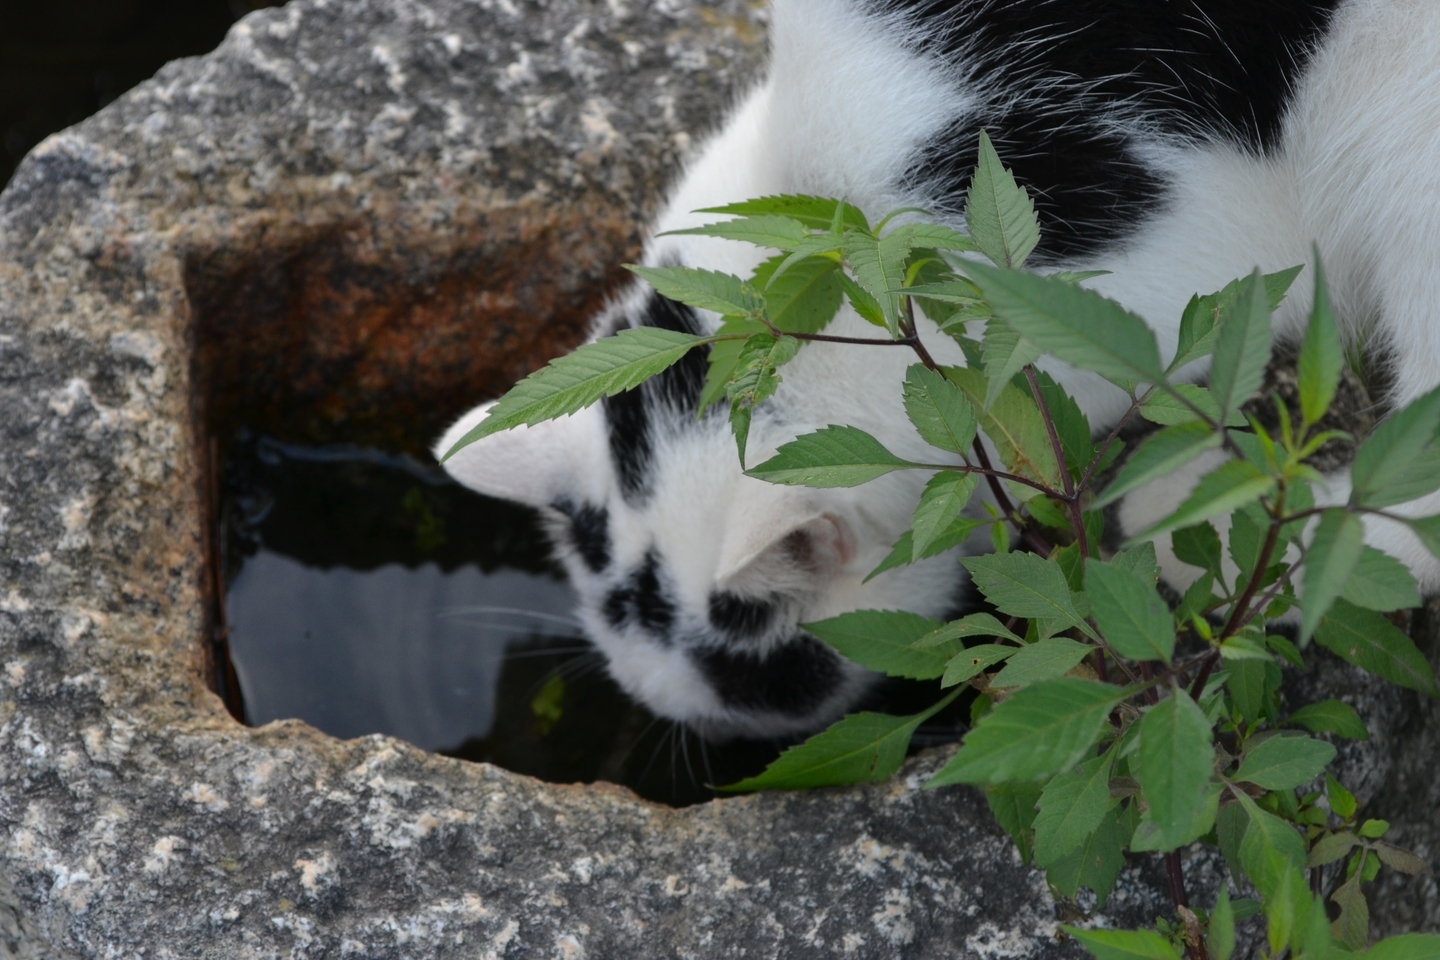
(1207, 667)
(1176, 875)
(1077, 515)
(1240, 613)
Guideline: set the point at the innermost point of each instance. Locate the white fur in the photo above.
(1357, 172)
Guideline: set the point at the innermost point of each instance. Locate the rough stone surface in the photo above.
(350, 222)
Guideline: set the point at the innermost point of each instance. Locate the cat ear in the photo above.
(779, 538)
(558, 459)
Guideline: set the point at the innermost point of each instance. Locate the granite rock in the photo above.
(350, 222)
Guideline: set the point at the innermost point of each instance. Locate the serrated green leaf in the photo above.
(1096, 863)
(755, 380)
(1342, 801)
(1244, 647)
(879, 268)
(1373, 643)
(722, 293)
(831, 457)
(1070, 424)
(1125, 944)
(724, 355)
(818, 213)
(945, 496)
(1043, 660)
(1270, 848)
(1013, 424)
(1166, 409)
(1427, 529)
(1129, 612)
(1283, 763)
(865, 305)
(1242, 347)
(1333, 555)
(1077, 324)
(572, 382)
(1321, 356)
(1248, 528)
(974, 661)
(1331, 716)
(1220, 937)
(998, 212)
(1160, 456)
(805, 298)
(903, 553)
(1407, 946)
(1176, 756)
(938, 410)
(1331, 847)
(1043, 729)
(1380, 473)
(974, 625)
(1380, 582)
(1353, 925)
(1204, 315)
(1072, 806)
(863, 747)
(819, 246)
(764, 230)
(1006, 353)
(1013, 806)
(1252, 684)
(1024, 585)
(1402, 860)
(959, 291)
(1228, 487)
(933, 236)
(1198, 546)
(885, 641)
(1139, 561)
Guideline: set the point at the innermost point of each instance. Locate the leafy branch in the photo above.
(1081, 771)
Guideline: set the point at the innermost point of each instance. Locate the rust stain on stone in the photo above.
(379, 331)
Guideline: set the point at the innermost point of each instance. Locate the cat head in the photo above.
(693, 579)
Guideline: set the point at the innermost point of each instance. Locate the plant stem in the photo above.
(1077, 515)
(1240, 613)
(1114, 435)
(1176, 875)
(1207, 667)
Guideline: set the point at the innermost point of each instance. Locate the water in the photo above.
(367, 593)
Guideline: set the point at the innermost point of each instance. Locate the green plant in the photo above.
(1105, 720)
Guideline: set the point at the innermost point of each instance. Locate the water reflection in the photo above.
(414, 653)
(367, 593)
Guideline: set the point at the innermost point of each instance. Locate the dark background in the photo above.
(61, 60)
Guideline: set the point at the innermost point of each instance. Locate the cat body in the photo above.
(1177, 144)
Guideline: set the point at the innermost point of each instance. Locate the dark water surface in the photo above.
(367, 593)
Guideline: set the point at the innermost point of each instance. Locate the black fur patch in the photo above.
(673, 393)
(642, 601)
(793, 680)
(589, 532)
(1221, 69)
(739, 617)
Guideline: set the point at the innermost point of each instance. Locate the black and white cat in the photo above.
(1177, 144)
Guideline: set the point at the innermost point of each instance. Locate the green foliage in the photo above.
(1077, 768)
(832, 457)
(886, 641)
(573, 382)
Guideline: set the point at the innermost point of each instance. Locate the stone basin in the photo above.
(349, 223)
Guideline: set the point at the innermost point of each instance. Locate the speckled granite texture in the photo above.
(350, 222)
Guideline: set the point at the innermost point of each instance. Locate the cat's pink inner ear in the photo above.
(564, 458)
